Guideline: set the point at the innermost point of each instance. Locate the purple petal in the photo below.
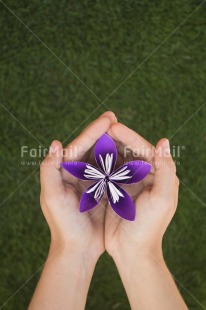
(121, 202)
(92, 196)
(82, 170)
(131, 172)
(105, 153)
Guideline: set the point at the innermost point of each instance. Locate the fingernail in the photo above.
(52, 148)
(166, 147)
(112, 116)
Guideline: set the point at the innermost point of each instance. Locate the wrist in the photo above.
(138, 263)
(68, 251)
(137, 255)
(82, 245)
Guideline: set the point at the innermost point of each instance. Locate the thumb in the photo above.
(165, 170)
(50, 175)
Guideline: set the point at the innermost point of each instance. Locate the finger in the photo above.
(165, 173)
(177, 183)
(50, 175)
(132, 141)
(111, 115)
(108, 114)
(76, 149)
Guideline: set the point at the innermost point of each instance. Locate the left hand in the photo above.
(155, 198)
(61, 192)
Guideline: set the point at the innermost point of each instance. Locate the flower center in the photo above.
(106, 178)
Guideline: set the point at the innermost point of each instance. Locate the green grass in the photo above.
(102, 42)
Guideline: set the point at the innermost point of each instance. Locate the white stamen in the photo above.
(121, 174)
(122, 169)
(102, 163)
(92, 173)
(99, 189)
(115, 193)
(107, 164)
(120, 178)
(93, 187)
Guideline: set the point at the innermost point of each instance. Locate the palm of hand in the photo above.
(87, 226)
(118, 231)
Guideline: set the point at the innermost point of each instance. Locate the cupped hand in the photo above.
(61, 192)
(155, 197)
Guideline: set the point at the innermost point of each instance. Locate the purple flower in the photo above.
(106, 178)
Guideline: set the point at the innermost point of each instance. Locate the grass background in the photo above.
(102, 42)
